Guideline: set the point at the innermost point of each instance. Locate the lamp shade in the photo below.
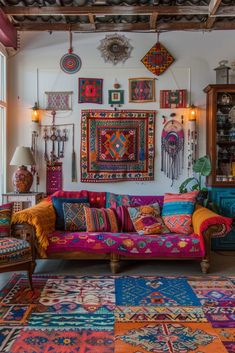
(22, 156)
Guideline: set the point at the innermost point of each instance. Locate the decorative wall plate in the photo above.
(115, 48)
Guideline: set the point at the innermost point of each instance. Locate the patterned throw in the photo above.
(74, 216)
(147, 219)
(101, 220)
(90, 90)
(5, 219)
(177, 211)
(157, 59)
(117, 146)
(13, 250)
(128, 314)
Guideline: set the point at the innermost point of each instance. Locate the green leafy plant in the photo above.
(202, 167)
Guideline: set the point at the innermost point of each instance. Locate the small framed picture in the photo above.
(116, 96)
(142, 90)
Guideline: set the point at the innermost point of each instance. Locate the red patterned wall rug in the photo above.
(118, 314)
(117, 145)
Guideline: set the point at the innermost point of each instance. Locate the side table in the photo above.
(22, 200)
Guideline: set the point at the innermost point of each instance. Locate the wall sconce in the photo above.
(192, 138)
(35, 113)
(192, 112)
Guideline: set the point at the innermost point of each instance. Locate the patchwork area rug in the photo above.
(127, 314)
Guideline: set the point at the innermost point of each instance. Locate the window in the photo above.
(2, 121)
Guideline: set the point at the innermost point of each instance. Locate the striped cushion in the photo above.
(5, 219)
(101, 220)
(124, 220)
(177, 212)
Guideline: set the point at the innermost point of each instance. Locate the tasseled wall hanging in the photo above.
(172, 154)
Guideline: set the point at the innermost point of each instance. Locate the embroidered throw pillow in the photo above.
(5, 219)
(177, 211)
(146, 219)
(124, 220)
(58, 206)
(101, 220)
(74, 216)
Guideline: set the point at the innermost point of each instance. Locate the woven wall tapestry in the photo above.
(54, 177)
(173, 99)
(157, 59)
(117, 145)
(141, 90)
(90, 90)
(58, 100)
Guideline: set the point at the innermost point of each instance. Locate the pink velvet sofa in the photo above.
(38, 222)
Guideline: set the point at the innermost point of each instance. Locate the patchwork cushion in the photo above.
(177, 211)
(114, 200)
(146, 219)
(101, 220)
(124, 220)
(58, 206)
(5, 219)
(74, 216)
(14, 250)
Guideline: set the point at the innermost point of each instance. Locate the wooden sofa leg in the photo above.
(114, 263)
(205, 265)
(31, 269)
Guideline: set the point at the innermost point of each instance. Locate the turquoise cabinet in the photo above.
(225, 200)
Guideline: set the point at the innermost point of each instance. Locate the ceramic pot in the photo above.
(22, 179)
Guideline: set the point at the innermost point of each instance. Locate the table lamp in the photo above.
(22, 178)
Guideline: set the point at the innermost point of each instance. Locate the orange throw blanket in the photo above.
(42, 217)
(203, 218)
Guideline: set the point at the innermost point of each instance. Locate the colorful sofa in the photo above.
(38, 222)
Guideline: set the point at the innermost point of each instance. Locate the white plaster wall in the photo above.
(196, 54)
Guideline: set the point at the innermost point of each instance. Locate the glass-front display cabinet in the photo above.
(221, 149)
(221, 134)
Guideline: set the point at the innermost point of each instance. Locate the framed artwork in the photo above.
(117, 145)
(141, 90)
(58, 100)
(90, 90)
(173, 98)
(116, 96)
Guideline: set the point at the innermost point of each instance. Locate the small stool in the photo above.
(16, 255)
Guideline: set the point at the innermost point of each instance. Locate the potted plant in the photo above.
(202, 167)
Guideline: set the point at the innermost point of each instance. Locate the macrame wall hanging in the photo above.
(172, 149)
(115, 48)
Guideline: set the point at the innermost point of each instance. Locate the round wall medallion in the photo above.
(70, 63)
(115, 48)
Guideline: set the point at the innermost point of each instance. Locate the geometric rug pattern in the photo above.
(118, 314)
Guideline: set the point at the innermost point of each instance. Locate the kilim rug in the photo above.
(117, 145)
(128, 314)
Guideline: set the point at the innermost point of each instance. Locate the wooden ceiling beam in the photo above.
(213, 7)
(92, 20)
(153, 20)
(104, 10)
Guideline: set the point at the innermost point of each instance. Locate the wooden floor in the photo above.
(221, 264)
